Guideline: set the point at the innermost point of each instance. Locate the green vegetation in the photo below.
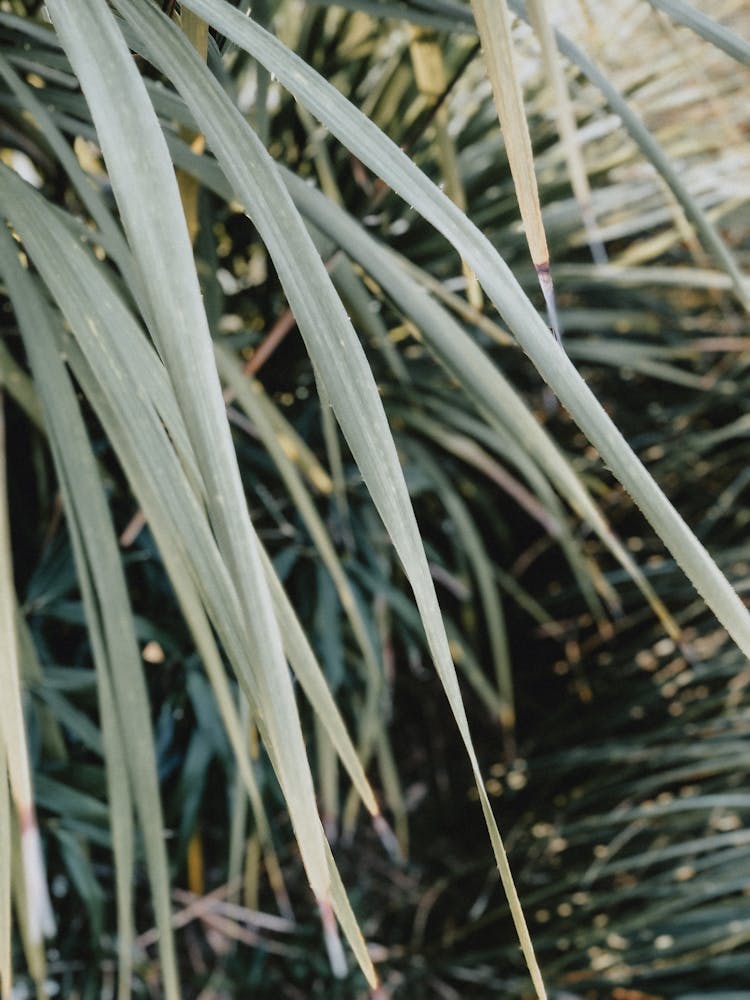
(305, 513)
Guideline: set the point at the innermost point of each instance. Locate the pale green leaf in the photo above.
(6, 968)
(566, 124)
(712, 31)
(494, 28)
(38, 915)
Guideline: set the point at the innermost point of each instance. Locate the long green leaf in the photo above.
(494, 28)
(20, 387)
(566, 125)
(477, 555)
(39, 918)
(249, 396)
(6, 967)
(709, 29)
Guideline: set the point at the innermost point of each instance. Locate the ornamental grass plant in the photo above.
(372, 499)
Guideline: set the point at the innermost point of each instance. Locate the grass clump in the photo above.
(280, 478)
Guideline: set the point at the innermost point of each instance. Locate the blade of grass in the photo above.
(312, 681)
(642, 277)
(493, 25)
(19, 387)
(496, 437)
(381, 589)
(346, 915)
(355, 297)
(34, 952)
(6, 925)
(53, 746)
(636, 356)
(328, 778)
(295, 447)
(334, 454)
(397, 842)
(196, 30)
(432, 81)
(249, 396)
(236, 732)
(238, 839)
(712, 31)
(40, 922)
(470, 451)
(566, 124)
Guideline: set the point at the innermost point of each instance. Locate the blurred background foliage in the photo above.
(619, 764)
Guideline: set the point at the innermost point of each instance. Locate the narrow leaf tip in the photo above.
(41, 921)
(334, 947)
